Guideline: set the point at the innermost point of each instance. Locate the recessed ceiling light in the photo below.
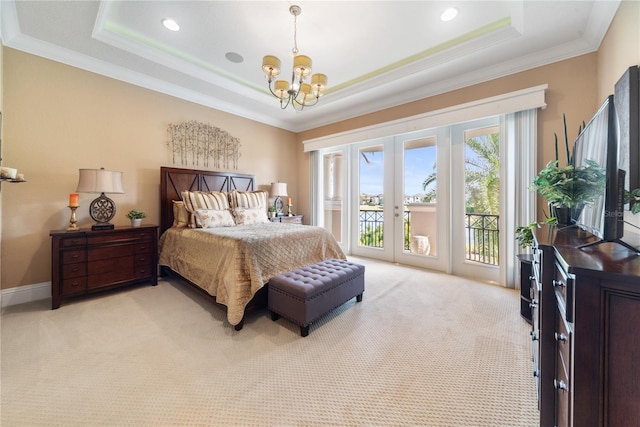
(170, 24)
(234, 57)
(449, 14)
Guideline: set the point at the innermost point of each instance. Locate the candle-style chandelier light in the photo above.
(296, 93)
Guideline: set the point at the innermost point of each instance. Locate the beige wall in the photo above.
(59, 119)
(620, 48)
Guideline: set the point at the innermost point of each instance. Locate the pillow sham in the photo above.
(212, 218)
(246, 216)
(203, 200)
(180, 214)
(249, 199)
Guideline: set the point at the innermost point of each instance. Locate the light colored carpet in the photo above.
(421, 349)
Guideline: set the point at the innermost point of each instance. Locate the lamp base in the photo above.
(102, 226)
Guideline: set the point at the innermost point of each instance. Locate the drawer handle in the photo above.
(75, 284)
(558, 283)
(75, 270)
(560, 337)
(534, 336)
(75, 256)
(532, 278)
(143, 248)
(536, 373)
(533, 304)
(560, 385)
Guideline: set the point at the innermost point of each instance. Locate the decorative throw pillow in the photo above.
(180, 214)
(203, 200)
(211, 218)
(248, 199)
(246, 216)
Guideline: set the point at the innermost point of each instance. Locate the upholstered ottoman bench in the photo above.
(305, 294)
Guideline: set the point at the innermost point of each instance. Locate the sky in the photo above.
(419, 164)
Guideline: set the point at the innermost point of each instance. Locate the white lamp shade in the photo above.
(279, 189)
(99, 181)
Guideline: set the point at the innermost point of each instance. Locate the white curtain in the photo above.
(519, 203)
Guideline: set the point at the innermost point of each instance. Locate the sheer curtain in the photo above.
(519, 203)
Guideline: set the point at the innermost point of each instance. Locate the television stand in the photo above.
(636, 251)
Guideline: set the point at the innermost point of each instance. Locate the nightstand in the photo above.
(86, 261)
(294, 219)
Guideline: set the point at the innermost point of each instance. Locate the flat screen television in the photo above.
(598, 142)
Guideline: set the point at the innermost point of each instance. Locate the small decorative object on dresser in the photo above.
(88, 261)
(136, 215)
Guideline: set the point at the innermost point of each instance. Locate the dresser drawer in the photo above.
(563, 286)
(74, 286)
(72, 242)
(108, 252)
(74, 270)
(110, 271)
(73, 256)
(143, 248)
(144, 270)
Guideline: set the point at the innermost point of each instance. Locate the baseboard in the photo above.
(28, 293)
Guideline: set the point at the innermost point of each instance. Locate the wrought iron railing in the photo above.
(481, 233)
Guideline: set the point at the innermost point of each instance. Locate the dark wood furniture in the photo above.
(526, 292)
(588, 324)
(175, 180)
(86, 261)
(294, 219)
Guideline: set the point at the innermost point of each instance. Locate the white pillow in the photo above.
(247, 216)
(211, 218)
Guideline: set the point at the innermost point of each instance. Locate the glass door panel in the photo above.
(372, 220)
(421, 197)
(476, 205)
(332, 188)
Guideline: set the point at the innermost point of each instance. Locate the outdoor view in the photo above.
(481, 199)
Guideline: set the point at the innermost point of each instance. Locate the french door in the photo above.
(429, 199)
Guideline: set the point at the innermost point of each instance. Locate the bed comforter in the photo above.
(233, 263)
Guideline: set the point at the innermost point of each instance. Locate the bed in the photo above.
(233, 263)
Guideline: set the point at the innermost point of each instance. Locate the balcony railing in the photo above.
(481, 233)
(482, 238)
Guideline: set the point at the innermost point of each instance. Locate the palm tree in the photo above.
(430, 195)
(482, 179)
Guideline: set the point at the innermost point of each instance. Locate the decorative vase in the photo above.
(136, 222)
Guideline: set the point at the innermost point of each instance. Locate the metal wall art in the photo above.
(194, 143)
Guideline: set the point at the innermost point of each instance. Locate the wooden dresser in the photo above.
(88, 261)
(586, 330)
(294, 219)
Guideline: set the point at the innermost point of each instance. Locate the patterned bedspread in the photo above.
(233, 263)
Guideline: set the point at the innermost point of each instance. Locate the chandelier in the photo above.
(296, 93)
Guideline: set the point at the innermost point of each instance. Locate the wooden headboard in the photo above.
(175, 180)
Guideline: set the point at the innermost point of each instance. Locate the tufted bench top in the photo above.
(307, 282)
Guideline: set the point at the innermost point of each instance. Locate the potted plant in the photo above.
(633, 198)
(136, 215)
(567, 188)
(272, 211)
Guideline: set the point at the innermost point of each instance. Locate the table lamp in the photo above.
(102, 209)
(279, 189)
